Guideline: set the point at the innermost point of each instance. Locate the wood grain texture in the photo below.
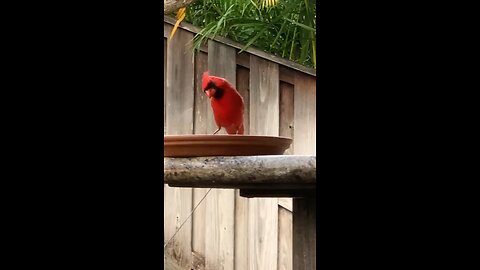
(179, 249)
(164, 84)
(287, 125)
(219, 233)
(262, 234)
(202, 122)
(243, 86)
(241, 203)
(264, 120)
(304, 144)
(201, 110)
(304, 233)
(179, 120)
(287, 113)
(264, 97)
(180, 85)
(165, 187)
(305, 114)
(220, 204)
(241, 231)
(222, 61)
(198, 229)
(170, 264)
(198, 261)
(285, 241)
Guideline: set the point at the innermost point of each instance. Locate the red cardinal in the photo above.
(227, 103)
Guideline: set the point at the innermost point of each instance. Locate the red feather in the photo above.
(227, 103)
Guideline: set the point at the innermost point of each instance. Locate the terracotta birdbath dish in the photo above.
(223, 145)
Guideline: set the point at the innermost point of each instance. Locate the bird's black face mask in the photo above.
(213, 91)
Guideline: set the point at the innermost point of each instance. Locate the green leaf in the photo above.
(252, 40)
(306, 27)
(286, 29)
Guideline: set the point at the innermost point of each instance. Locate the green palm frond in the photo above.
(268, 3)
(285, 28)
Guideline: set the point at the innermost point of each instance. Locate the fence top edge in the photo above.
(194, 29)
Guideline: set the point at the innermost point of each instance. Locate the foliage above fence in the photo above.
(287, 29)
(169, 23)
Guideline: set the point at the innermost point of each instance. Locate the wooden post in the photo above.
(304, 233)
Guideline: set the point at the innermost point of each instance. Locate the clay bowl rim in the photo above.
(206, 138)
(224, 145)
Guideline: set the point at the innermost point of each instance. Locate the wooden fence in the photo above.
(228, 231)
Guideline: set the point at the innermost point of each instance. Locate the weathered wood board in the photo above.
(264, 120)
(179, 120)
(220, 203)
(201, 110)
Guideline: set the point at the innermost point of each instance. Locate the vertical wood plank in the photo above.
(179, 116)
(287, 113)
(202, 107)
(305, 114)
(304, 233)
(264, 120)
(164, 84)
(264, 97)
(180, 84)
(164, 119)
(285, 242)
(243, 86)
(241, 231)
(287, 99)
(220, 203)
(304, 214)
(241, 203)
(219, 233)
(202, 103)
(199, 227)
(222, 61)
(262, 233)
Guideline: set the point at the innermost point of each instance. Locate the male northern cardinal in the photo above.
(227, 104)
